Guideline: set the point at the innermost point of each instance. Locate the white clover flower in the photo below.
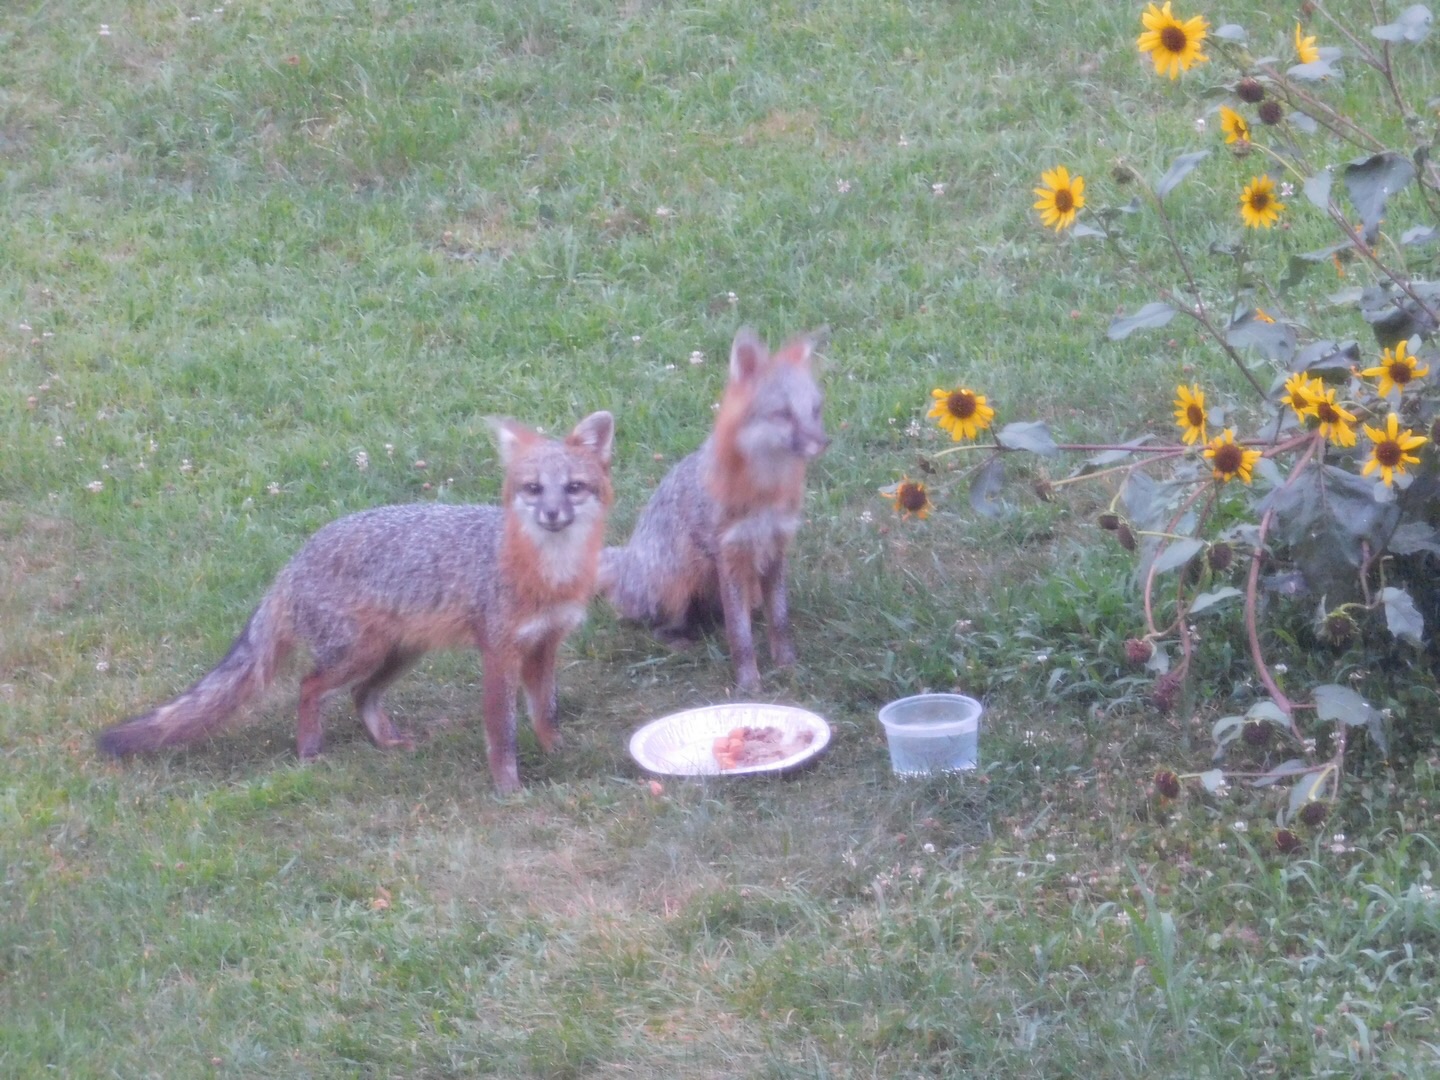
(272, 488)
(103, 666)
(842, 186)
(697, 357)
(362, 460)
(95, 486)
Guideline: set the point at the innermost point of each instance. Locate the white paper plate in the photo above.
(683, 744)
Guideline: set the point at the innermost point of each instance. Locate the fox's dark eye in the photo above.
(575, 487)
(531, 488)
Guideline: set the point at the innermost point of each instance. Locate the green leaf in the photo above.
(1212, 780)
(1401, 615)
(1231, 32)
(1177, 554)
(1110, 457)
(1149, 317)
(1341, 705)
(1420, 234)
(1031, 435)
(1273, 340)
(1268, 711)
(1325, 357)
(985, 487)
(1180, 168)
(1413, 537)
(1280, 772)
(1317, 188)
(1371, 181)
(1081, 229)
(1316, 70)
(1413, 25)
(1326, 516)
(1207, 600)
(1227, 729)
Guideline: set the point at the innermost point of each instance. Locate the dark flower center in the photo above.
(1194, 415)
(913, 497)
(1399, 373)
(1064, 201)
(1388, 453)
(1260, 201)
(962, 403)
(1173, 39)
(1229, 458)
(1251, 90)
(1326, 412)
(1271, 111)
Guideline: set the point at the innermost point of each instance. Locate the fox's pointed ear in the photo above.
(804, 348)
(596, 431)
(747, 355)
(509, 436)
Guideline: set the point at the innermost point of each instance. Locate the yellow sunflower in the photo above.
(1258, 206)
(1396, 370)
(1261, 315)
(961, 412)
(1234, 125)
(911, 499)
(1334, 419)
(1172, 44)
(1305, 47)
(1060, 197)
(1190, 412)
(1391, 452)
(1228, 459)
(1301, 393)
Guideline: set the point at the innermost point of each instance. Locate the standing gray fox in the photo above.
(370, 593)
(715, 535)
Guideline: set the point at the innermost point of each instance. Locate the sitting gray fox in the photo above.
(715, 535)
(370, 593)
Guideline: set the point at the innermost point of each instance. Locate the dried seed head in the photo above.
(1167, 691)
(1125, 536)
(1286, 842)
(1220, 556)
(1138, 651)
(1256, 733)
(1271, 112)
(1250, 90)
(1167, 784)
(1108, 522)
(1314, 813)
(1339, 630)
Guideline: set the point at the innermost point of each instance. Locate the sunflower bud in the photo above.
(1271, 112)
(1123, 174)
(1286, 842)
(1250, 90)
(1314, 813)
(1167, 784)
(1137, 651)
(1125, 536)
(1043, 490)
(1220, 556)
(1108, 522)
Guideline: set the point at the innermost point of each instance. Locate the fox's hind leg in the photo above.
(382, 730)
(331, 673)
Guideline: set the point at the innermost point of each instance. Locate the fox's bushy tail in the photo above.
(248, 668)
(625, 585)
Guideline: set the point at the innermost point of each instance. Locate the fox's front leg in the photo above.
(777, 612)
(502, 677)
(735, 600)
(537, 676)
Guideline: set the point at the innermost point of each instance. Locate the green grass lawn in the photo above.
(265, 263)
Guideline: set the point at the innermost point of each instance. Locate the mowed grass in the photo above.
(264, 264)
